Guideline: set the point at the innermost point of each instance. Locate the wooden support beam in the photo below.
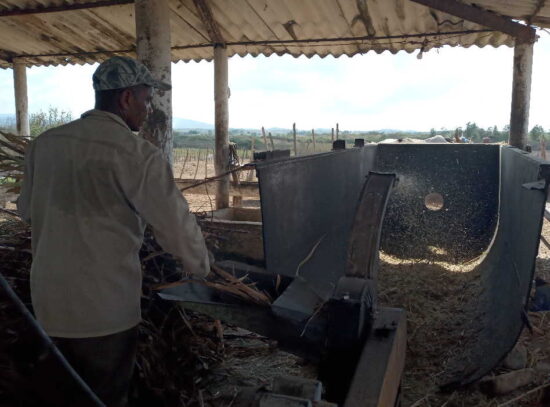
(521, 93)
(221, 106)
(338, 40)
(482, 17)
(64, 7)
(244, 188)
(221, 99)
(153, 49)
(21, 98)
(207, 17)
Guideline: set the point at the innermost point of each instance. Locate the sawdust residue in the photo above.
(441, 301)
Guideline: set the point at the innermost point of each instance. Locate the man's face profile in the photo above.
(137, 103)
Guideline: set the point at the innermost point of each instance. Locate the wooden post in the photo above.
(313, 137)
(197, 166)
(250, 176)
(271, 142)
(153, 46)
(221, 99)
(337, 131)
(21, 98)
(206, 164)
(265, 139)
(184, 162)
(294, 136)
(521, 93)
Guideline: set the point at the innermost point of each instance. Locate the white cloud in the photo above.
(446, 88)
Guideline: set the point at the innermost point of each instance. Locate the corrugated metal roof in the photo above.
(250, 27)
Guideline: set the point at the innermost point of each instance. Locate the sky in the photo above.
(446, 88)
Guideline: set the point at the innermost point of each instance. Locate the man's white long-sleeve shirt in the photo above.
(89, 189)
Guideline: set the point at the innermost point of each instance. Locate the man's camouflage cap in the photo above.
(123, 72)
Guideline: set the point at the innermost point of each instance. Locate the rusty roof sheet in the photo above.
(249, 27)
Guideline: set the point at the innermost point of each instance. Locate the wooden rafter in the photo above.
(66, 7)
(207, 17)
(482, 17)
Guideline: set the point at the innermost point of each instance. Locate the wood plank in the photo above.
(65, 7)
(377, 379)
(207, 17)
(480, 16)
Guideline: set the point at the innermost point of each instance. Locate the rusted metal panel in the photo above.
(249, 27)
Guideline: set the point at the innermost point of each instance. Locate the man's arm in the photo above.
(24, 199)
(157, 199)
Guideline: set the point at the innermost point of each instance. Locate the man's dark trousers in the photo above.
(105, 363)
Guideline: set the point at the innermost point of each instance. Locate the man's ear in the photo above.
(125, 99)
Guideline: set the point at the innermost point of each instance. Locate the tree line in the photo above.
(42, 121)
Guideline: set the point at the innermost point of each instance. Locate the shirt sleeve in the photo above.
(155, 196)
(24, 199)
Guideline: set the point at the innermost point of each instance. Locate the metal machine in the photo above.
(335, 323)
(324, 218)
(323, 222)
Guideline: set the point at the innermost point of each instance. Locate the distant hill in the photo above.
(180, 124)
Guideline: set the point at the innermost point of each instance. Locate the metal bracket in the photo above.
(538, 185)
(364, 242)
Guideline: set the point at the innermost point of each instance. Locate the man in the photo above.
(89, 189)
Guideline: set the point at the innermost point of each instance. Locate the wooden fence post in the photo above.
(197, 166)
(265, 139)
(271, 141)
(294, 137)
(184, 162)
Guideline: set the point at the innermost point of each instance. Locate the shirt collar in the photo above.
(105, 115)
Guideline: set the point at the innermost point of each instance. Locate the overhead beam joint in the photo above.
(207, 17)
(482, 17)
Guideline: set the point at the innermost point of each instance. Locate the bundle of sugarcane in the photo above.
(176, 350)
(12, 154)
